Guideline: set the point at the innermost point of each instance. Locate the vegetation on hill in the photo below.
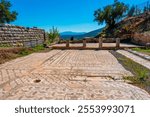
(122, 20)
(138, 23)
(81, 36)
(128, 26)
(111, 13)
(6, 16)
(131, 11)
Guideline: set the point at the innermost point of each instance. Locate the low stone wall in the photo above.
(141, 38)
(21, 36)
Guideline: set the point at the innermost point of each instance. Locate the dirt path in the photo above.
(67, 74)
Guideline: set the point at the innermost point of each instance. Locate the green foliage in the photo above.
(126, 29)
(111, 13)
(131, 11)
(27, 51)
(24, 52)
(4, 45)
(141, 74)
(145, 51)
(6, 16)
(116, 32)
(38, 48)
(53, 34)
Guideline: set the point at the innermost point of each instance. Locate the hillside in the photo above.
(139, 23)
(129, 26)
(81, 36)
(69, 33)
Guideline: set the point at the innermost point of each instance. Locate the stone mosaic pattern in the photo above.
(67, 74)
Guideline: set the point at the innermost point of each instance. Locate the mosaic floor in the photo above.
(67, 74)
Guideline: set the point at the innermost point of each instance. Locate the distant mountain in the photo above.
(72, 33)
(93, 33)
(68, 35)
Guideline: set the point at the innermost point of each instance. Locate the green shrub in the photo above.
(38, 48)
(25, 51)
(53, 35)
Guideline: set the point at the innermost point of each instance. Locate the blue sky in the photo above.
(66, 15)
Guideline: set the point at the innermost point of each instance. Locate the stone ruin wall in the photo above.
(21, 36)
(141, 38)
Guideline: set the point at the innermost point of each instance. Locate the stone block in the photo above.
(100, 43)
(118, 43)
(84, 43)
(67, 43)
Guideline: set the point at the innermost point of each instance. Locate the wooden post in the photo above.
(100, 43)
(84, 43)
(117, 43)
(67, 43)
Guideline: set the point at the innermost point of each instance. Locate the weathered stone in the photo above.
(20, 34)
(67, 74)
(117, 43)
(67, 43)
(84, 43)
(141, 38)
(148, 45)
(100, 43)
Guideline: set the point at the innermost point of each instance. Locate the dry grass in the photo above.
(7, 54)
(141, 74)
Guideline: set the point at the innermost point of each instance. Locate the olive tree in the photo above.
(111, 13)
(6, 16)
